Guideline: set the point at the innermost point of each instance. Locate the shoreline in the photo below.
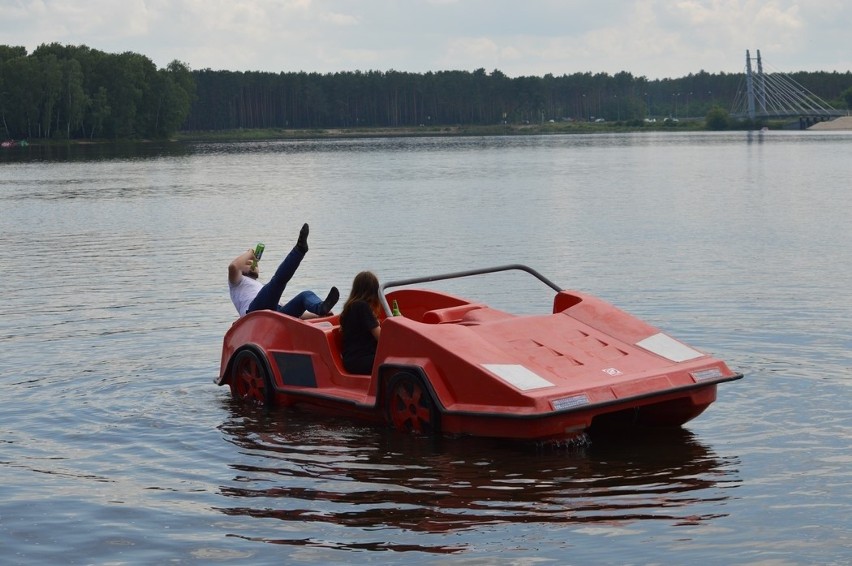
(843, 123)
(575, 128)
(419, 131)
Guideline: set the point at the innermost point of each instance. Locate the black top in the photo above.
(359, 345)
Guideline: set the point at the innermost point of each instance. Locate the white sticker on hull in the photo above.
(570, 402)
(711, 373)
(668, 347)
(518, 376)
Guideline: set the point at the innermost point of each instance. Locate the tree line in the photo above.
(232, 100)
(74, 92)
(77, 92)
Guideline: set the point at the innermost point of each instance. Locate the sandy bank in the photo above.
(842, 123)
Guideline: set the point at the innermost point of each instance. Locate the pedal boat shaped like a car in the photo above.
(451, 366)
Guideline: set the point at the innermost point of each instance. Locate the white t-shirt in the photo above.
(244, 292)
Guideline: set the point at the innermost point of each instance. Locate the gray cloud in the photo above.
(654, 38)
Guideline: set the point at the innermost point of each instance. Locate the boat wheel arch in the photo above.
(250, 376)
(408, 402)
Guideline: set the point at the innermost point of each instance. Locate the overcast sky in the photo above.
(651, 38)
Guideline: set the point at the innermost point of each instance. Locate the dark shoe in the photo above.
(329, 302)
(302, 244)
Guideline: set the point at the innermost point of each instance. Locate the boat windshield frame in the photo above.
(461, 274)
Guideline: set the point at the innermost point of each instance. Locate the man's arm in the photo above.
(376, 331)
(240, 264)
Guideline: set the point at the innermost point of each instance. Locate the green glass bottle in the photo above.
(395, 311)
(258, 251)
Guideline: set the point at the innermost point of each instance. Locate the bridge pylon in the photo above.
(776, 94)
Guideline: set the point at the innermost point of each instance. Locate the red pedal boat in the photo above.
(452, 366)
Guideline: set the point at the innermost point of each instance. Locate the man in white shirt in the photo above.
(248, 294)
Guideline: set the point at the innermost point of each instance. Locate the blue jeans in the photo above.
(270, 294)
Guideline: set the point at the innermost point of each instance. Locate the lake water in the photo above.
(116, 447)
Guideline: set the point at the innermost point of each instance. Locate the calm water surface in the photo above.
(117, 448)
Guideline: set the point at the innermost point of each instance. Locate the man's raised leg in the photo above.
(270, 294)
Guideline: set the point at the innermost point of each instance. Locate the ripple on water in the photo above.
(295, 471)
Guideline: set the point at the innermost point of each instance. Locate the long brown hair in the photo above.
(365, 287)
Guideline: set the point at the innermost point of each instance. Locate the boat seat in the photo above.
(335, 346)
(478, 316)
(449, 314)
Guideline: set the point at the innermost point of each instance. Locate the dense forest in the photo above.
(67, 92)
(72, 92)
(228, 100)
(390, 99)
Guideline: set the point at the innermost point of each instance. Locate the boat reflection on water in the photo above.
(308, 472)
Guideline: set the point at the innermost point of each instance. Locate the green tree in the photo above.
(847, 96)
(74, 101)
(8, 105)
(20, 91)
(49, 89)
(9, 52)
(99, 112)
(717, 118)
(173, 90)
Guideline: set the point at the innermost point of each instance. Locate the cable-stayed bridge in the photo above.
(777, 95)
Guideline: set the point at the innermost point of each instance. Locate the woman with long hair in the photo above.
(359, 324)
